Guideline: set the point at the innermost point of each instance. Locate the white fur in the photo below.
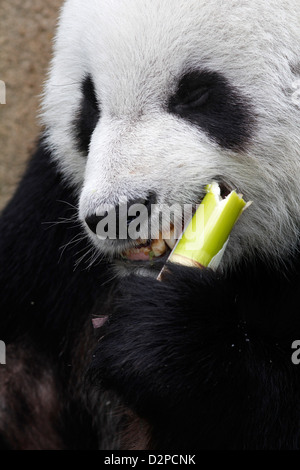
(136, 51)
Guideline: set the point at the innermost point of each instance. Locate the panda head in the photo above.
(151, 101)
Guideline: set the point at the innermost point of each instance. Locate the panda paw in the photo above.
(163, 340)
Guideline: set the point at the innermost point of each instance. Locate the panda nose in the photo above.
(93, 219)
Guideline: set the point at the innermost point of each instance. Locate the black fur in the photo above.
(36, 276)
(46, 307)
(205, 359)
(207, 100)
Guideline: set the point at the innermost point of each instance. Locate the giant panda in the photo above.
(150, 101)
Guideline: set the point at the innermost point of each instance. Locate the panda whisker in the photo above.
(89, 262)
(95, 259)
(68, 204)
(62, 221)
(80, 260)
(77, 238)
(73, 242)
(110, 279)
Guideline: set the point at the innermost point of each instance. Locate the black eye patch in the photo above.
(207, 100)
(88, 115)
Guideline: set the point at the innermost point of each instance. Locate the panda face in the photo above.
(151, 101)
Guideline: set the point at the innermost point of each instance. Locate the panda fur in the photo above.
(203, 359)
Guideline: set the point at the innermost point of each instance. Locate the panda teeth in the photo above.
(158, 247)
(143, 243)
(150, 248)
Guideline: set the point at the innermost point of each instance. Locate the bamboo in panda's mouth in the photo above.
(149, 249)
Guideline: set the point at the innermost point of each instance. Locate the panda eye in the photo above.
(195, 99)
(193, 92)
(208, 101)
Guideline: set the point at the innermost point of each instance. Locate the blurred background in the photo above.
(26, 32)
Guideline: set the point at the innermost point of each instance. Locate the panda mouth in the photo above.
(149, 250)
(160, 248)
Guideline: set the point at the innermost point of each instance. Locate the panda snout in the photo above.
(124, 213)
